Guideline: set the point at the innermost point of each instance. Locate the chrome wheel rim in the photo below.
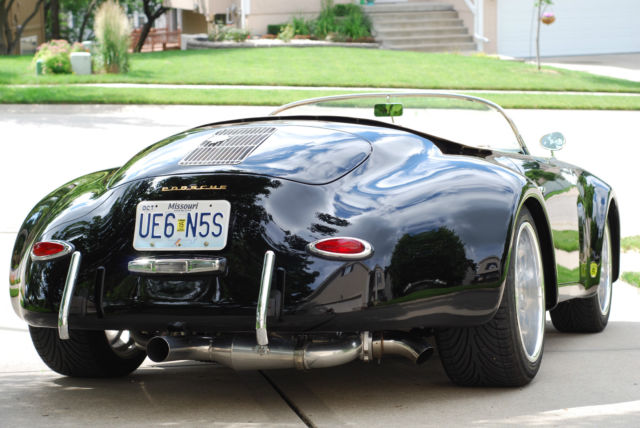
(530, 311)
(121, 342)
(604, 287)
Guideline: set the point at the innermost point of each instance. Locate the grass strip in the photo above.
(631, 243)
(98, 95)
(632, 278)
(330, 66)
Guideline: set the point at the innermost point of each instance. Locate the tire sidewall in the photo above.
(527, 367)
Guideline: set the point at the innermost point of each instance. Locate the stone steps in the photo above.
(436, 47)
(408, 40)
(427, 27)
(418, 24)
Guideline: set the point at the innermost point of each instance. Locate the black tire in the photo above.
(589, 315)
(494, 354)
(85, 354)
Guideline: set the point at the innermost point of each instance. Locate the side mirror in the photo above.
(554, 141)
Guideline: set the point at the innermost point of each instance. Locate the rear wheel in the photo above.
(87, 353)
(589, 315)
(506, 351)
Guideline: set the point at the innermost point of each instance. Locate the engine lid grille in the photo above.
(228, 146)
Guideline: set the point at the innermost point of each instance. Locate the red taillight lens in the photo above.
(48, 249)
(341, 246)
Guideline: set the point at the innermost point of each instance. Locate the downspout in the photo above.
(477, 9)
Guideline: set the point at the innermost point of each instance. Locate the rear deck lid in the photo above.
(302, 153)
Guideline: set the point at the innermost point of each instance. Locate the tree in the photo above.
(54, 17)
(10, 34)
(153, 9)
(81, 11)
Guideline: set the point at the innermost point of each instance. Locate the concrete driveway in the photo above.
(585, 380)
(622, 66)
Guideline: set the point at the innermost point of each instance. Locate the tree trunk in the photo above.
(151, 18)
(4, 28)
(85, 19)
(143, 35)
(54, 8)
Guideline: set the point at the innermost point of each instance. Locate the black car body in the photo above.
(439, 217)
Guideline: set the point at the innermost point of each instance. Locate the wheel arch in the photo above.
(539, 214)
(613, 218)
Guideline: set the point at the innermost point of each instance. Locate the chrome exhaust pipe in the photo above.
(402, 344)
(244, 353)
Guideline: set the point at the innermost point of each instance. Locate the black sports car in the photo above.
(335, 229)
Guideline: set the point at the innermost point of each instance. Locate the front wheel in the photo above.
(506, 351)
(87, 353)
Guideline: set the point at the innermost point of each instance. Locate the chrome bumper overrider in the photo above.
(263, 299)
(67, 295)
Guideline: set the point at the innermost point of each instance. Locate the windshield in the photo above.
(460, 118)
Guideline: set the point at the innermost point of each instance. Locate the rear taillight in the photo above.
(46, 250)
(342, 248)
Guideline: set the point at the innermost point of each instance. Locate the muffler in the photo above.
(243, 352)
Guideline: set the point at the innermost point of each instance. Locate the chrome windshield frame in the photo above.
(422, 94)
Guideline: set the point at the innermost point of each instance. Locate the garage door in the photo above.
(582, 27)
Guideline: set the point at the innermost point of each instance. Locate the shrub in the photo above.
(326, 21)
(287, 33)
(355, 24)
(223, 32)
(113, 33)
(341, 22)
(302, 26)
(275, 29)
(346, 9)
(55, 56)
(236, 34)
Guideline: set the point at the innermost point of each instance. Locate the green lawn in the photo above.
(631, 243)
(63, 94)
(632, 278)
(331, 66)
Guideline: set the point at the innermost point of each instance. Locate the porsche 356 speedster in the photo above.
(335, 229)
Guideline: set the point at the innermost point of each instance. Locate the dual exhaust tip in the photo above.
(243, 352)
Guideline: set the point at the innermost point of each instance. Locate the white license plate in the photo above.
(181, 225)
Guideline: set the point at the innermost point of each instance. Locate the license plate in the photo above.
(181, 225)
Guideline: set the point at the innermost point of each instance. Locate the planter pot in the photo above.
(548, 20)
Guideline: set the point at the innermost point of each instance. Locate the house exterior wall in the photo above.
(35, 27)
(193, 22)
(260, 12)
(582, 27)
